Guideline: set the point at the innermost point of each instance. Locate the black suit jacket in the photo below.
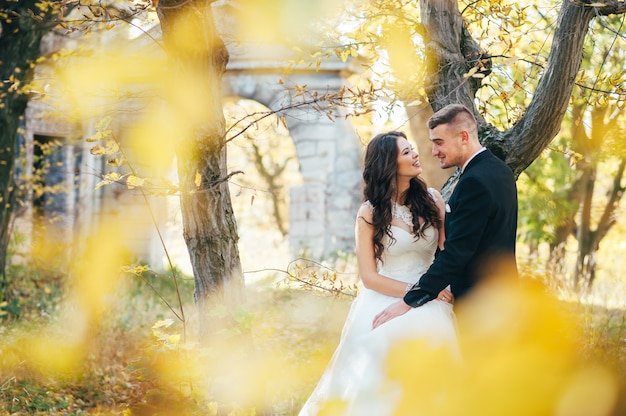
(481, 228)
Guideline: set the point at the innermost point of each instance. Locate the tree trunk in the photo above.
(580, 196)
(590, 243)
(544, 115)
(198, 58)
(271, 176)
(584, 235)
(453, 53)
(20, 39)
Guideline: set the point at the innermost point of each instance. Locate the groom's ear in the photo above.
(465, 137)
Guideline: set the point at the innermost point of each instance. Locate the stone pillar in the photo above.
(323, 208)
(307, 211)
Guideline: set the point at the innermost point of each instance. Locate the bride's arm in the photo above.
(364, 233)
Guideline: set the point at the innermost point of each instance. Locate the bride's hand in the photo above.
(392, 311)
(445, 296)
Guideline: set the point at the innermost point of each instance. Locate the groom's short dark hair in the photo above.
(448, 114)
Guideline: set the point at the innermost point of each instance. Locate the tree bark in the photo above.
(198, 58)
(544, 115)
(453, 53)
(20, 39)
(581, 196)
(589, 239)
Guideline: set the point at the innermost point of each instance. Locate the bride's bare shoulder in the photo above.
(365, 211)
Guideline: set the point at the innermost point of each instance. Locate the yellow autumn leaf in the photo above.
(300, 89)
(344, 54)
(97, 150)
(95, 137)
(198, 180)
(116, 161)
(104, 123)
(133, 181)
(135, 270)
(111, 147)
(163, 323)
(108, 179)
(471, 72)
(509, 61)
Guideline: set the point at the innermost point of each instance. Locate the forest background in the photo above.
(127, 342)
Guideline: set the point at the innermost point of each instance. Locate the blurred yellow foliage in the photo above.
(149, 143)
(95, 272)
(90, 83)
(520, 357)
(399, 44)
(281, 21)
(61, 348)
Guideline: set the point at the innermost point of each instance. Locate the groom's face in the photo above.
(447, 146)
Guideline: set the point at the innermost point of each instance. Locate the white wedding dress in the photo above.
(356, 370)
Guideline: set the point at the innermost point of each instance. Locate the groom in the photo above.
(481, 222)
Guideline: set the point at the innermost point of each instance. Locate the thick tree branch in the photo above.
(457, 66)
(452, 53)
(543, 117)
(610, 7)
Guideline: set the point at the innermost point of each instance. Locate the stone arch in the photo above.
(322, 209)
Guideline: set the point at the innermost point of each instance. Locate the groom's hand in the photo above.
(392, 311)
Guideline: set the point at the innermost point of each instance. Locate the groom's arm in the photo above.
(464, 233)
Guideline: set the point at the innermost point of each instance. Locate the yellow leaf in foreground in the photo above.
(471, 72)
(133, 181)
(97, 150)
(163, 324)
(519, 356)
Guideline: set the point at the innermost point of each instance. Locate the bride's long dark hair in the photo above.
(380, 176)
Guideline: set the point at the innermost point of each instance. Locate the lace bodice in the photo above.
(407, 258)
(402, 212)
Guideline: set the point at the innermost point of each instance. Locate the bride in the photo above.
(398, 229)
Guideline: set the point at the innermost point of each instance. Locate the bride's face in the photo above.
(408, 159)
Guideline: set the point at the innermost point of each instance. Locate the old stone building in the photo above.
(321, 206)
